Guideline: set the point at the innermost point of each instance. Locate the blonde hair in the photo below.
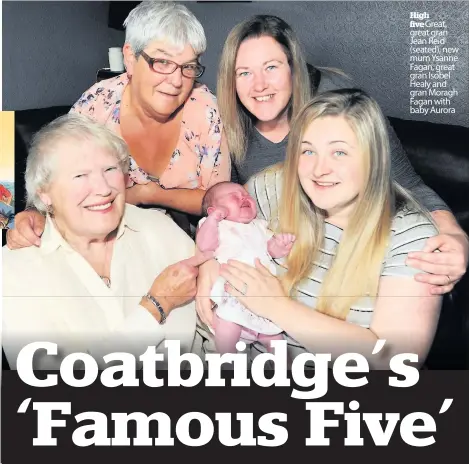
(356, 269)
(237, 121)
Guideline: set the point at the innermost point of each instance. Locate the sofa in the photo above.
(439, 154)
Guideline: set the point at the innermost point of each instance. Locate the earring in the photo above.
(49, 210)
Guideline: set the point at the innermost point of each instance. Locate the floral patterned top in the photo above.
(199, 159)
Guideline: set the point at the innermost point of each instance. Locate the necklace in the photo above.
(106, 280)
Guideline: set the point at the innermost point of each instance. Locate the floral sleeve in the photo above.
(215, 165)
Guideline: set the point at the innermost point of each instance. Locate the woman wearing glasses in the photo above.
(170, 122)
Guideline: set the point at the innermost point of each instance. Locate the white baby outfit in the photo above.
(245, 243)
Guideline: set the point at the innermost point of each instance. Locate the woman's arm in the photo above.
(405, 316)
(450, 265)
(407, 322)
(443, 270)
(185, 200)
(27, 320)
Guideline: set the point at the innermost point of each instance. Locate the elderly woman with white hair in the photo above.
(170, 122)
(107, 276)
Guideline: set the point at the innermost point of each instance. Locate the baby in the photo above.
(231, 230)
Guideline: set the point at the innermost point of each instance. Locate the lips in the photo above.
(264, 98)
(324, 185)
(169, 94)
(246, 204)
(99, 206)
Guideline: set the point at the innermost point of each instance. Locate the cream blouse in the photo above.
(51, 293)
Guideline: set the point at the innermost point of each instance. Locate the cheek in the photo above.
(242, 89)
(155, 80)
(305, 165)
(116, 180)
(77, 192)
(354, 175)
(282, 81)
(67, 196)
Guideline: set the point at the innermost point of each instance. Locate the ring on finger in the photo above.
(245, 288)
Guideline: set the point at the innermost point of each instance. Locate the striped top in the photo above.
(409, 232)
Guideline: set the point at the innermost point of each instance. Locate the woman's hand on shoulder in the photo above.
(29, 226)
(446, 268)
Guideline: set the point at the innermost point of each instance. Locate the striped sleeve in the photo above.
(410, 231)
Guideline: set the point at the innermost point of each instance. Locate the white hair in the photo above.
(43, 151)
(168, 21)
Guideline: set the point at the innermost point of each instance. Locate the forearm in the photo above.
(139, 330)
(447, 223)
(207, 235)
(185, 200)
(319, 333)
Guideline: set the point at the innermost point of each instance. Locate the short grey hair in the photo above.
(43, 151)
(169, 21)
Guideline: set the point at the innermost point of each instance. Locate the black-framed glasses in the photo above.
(164, 66)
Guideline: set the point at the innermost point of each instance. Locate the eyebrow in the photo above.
(331, 142)
(194, 60)
(263, 64)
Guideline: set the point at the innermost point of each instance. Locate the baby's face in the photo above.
(233, 197)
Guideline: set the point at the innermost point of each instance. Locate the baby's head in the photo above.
(234, 198)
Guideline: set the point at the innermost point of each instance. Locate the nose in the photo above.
(259, 83)
(101, 185)
(175, 79)
(321, 166)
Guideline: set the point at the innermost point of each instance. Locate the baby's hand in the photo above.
(219, 213)
(280, 245)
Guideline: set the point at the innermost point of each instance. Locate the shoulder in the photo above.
(19, 266)
(19, 257)
(265, 188)
(410, 224)
(201, 105)
(409, 232)
(202, 94)
(158, 230)
(150, 220)
(105, 93)
(201, 116)
(333, 80)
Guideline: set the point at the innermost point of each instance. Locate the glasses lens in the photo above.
(193, 70)
(164, 66)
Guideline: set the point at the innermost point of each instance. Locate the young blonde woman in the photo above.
(345, 284)
(263, 83)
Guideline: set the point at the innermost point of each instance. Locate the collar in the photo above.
(52, 239)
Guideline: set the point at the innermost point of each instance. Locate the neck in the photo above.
(82, 244)
(340, 217)
(275, 130)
